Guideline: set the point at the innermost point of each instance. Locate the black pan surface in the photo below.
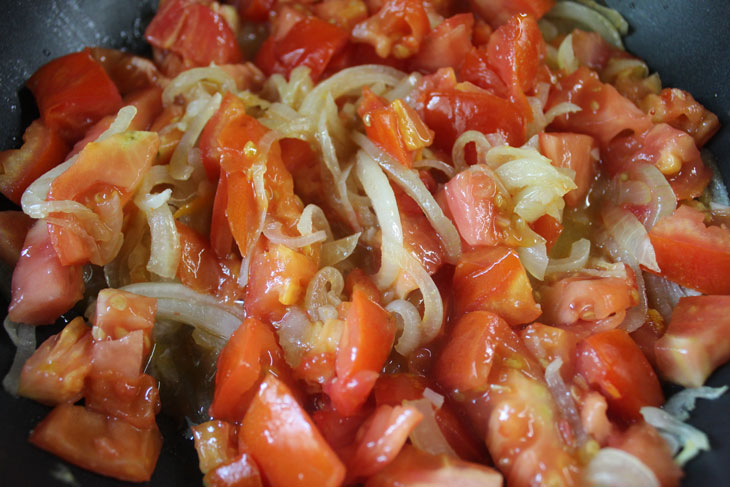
(686, 42)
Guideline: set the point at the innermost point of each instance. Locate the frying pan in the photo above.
(686, 42)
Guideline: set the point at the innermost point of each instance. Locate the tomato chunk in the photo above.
(546, 343)
(612, 362)
(694, 344)
(397, 29)
(136, 401)
(124, 356)
(119, 313)
(285, 442)
(104, 445)
(680, 110)
(42, 150)
(39, 302)
(14, 227)
(692, 254)
(216, 443)
(493, 279)
(73, 92)
(497, 12)
(572, 151)
(56, 371)
(446, 45)
(471, 196)
(241, 472)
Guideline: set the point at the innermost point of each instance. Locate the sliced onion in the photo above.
(408, 321)
(564, 399)
(190, 77)
(630, 236)
(427, 436)
(404, 88)
(335, 252)
(680, 404)
(587, 18)
(580, 251)
(717, 189)
(534, 259)
(179, 166)
(685, 440)
(433, 397)
(179, 303)
(611, 15)
(313, 217)
(447, 170)
(567, 61)
(292, 330)
(412, 184)
(480, 141)
(325, 288)
(272, 231)
(165, 249)
(23, 337)
(561, 109)
(612, 467)
(663, 294)
(664, 201)
(636, 316)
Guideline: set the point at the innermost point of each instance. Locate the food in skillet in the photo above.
(381, 243)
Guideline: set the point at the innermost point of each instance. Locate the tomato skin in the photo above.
(611, 362)
(74, 434)
(470, 196)
(497, 12)
(14, 227)
(413, 467)
(119, 313)
(548, 228)
(73, 92)
(62, 286)
(694, 345)
(136, 401)
(42, 150)
(311, 42)
(195, 31)
(285, 442)
(572, 151)
(692, 254)
(250, 353)
(493, 279)
(56, 371)
(397, 29)
(446, 45)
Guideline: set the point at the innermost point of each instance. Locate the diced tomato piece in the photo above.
(96, 442)
(119, 313)
(251, 352)
(475, 68)
(39, 302)
(548, 228)
(694, 344)
(136, 401)
(604, 112)
(14, 227)
(647, 334)
(497, 12)
(201, 270)
(576, 152)
(170, 137)
(311, 42)
(546, 343)
(644, 442)
(129, 73)
(592, 50)
(42, 150)
(587, 304)
(342, 13)
(215, 139)
(397, 29)
(73, 92)
(364, 347)
(216, 442)
(339, 431)
(413, 467)
(680, 110)
(194, 30)
(451, 113)
(612, 363)
(493, 279)
(692, 254)
(221, 238)
(285, 442)
(471, 196)
(241, 472)
(125, 356)
(56, 371)
(446, 45)
(358, 278)
(381, 438)
(419, 238)
(256, 10)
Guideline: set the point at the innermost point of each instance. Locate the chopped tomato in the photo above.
(56, 371)
(221, 238)
(413, 467)
(647, 334)
(493, 279)
(691, 253)
(240, 472)
(476, 69)
(339, 431)
(96, 442)
(251, 352)
(576, 152)
(125, 356)
(256, 10)
(194, 30)
(201, 270)
(364, 347)
(472, 199)
(171, 135)
(592, 50)
(119, 313)
(342, 13)
(136, 401)
(497, 12)
(611, 362)
(42, 150)
(216, 442)
(446, 45)
(285, 442)
(40, 302)
(604, 112)
(14, 227)
(397, 29)
(546, 343)
(694, 344)
(278, 277)
(453, 112)
(311, 42)
(381, 438)
(680, 110)
(130, 73)
(73, 92)
(644, 442)
(548, 228)
(103, 177)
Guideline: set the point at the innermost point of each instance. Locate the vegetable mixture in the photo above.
(369, 242)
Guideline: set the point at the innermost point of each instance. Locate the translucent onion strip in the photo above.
(587, 18)
(685, 440)
(427, 435)
(272, 231)
(579, 253)
(338, 250)
(408, 321)
(23, 337)
(180, 168)
(535, 259)
(190, 77)
(324, 289)
(631, 236)
(612, 467)
(179, 303)
(165, 247)
(564, 399)
(313, 217)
